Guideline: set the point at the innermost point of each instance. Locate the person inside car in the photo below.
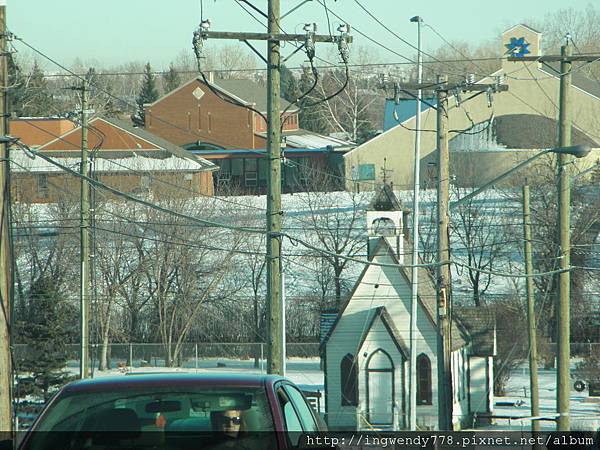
(228, 423)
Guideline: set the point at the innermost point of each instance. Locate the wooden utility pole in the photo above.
(5, 257)
(274, 36)
(444, 348)
(275, 351)
(84, 288)
(533, 369)
(563, 312)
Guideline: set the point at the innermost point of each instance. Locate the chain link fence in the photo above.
(238, 356)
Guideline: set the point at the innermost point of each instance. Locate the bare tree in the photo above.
(255, 263)
(230, 62)
(476, 227)
(354, 111)
(119, 266)
(335, 222)
(512, 341)
(461, 58)
(181, 278)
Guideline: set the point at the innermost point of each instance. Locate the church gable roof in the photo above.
(480, 323)
(426, 293)
(382, 314)
(385, 200)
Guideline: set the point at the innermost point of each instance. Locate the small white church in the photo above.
(366, 351)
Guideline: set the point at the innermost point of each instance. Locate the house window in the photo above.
(199, 118)
(249, 118)
(349, 380)
(209, 122)
(42, 181)
(423, 380)
(189, 123)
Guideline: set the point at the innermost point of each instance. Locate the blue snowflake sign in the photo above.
(517, 47)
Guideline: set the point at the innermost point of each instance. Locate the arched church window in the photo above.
(384, 227)
(349, 381)
(423, 380)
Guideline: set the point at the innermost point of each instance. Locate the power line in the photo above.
(393, 33)
(467, 59)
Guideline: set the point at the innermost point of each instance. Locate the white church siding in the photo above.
(460, 397)
(379, 338)
(479, 384)
(340, 344)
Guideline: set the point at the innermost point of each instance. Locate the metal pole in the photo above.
(274, 352)
(5, 271)
(412, 385)
(533, 369)
(84, 288)
(283, 340)
(443, 271)
(564, 201)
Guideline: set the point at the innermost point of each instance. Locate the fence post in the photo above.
(261, 357)
(196, 351)
(131, 355)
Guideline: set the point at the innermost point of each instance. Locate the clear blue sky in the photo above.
(117, 31)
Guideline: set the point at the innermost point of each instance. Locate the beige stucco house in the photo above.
(519, 123)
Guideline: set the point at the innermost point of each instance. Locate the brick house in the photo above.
(234, 137)
(126, 158)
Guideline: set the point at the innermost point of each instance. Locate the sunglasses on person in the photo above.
(231, 420)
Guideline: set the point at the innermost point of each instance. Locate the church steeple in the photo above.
(384, 219)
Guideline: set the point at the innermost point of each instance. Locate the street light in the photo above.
(412, 380)
(578, 151)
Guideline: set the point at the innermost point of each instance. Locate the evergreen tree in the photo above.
(148, 92)
(289, 85)
(311, 117)
(16, 91)
(29, 94)
(171, 79)
(43, 329)
(39, 100)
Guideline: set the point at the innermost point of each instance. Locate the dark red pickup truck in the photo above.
(175, 411)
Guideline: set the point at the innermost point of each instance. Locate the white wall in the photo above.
(479, 384)
(460, 391)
